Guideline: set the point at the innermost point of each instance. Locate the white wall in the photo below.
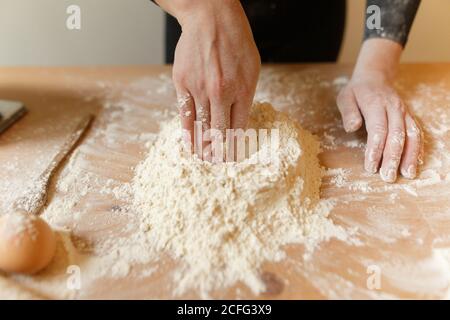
(33, 32)
(429, 39)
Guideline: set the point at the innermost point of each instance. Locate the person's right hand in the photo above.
(216, 64)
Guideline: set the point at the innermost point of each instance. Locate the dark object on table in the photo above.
(10, 112)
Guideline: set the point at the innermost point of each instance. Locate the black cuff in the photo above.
(395, 19)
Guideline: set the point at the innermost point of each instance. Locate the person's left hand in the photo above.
(395, 140)
(394, 137)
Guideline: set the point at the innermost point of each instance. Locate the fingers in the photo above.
(376, 125)
(239, 120)
(413, 148)
(220, 122)
(348, 107)
(186, 108)
(220, 115)
(195, 121)
(198, 117)
(239, 114)
(395, 141)
(227, 115)
(202, 126)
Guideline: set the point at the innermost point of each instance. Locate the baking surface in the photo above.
(401, 230)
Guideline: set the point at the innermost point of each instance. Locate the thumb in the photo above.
(348, 107)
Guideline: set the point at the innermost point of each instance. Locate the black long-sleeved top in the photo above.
(311, 31)
(396, 18)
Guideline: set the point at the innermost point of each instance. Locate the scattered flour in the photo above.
(222, 221)
(116, 256)
(338, 176)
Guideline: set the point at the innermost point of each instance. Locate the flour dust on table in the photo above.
(223, 220)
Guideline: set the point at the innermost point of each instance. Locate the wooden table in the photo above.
(403, 229)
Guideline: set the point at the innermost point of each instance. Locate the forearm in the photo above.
(383, 43)
(394, 140)
(396, 17)
(183, 9)
(175, 7)
(379, 58)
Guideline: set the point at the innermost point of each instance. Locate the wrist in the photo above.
(197, 10)
(378, 59)
(175, 7)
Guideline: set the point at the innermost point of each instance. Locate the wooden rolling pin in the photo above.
(35, 198)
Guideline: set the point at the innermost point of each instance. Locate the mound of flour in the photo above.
(223, 220)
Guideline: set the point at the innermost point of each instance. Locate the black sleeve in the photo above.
(395, 19)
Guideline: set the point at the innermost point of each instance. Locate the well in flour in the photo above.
(223, 220)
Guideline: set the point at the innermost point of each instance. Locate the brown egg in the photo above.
(27, 243)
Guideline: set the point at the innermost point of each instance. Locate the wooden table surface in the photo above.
(403, 229)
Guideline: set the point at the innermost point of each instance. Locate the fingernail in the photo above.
(388, 175)
(351, 125)
(376, 139)
(186, 137)
(391, 175)
(372, 155)
(371, 167)
(410, 173)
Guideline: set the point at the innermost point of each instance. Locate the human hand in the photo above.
(216, 65)
(395, 139)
